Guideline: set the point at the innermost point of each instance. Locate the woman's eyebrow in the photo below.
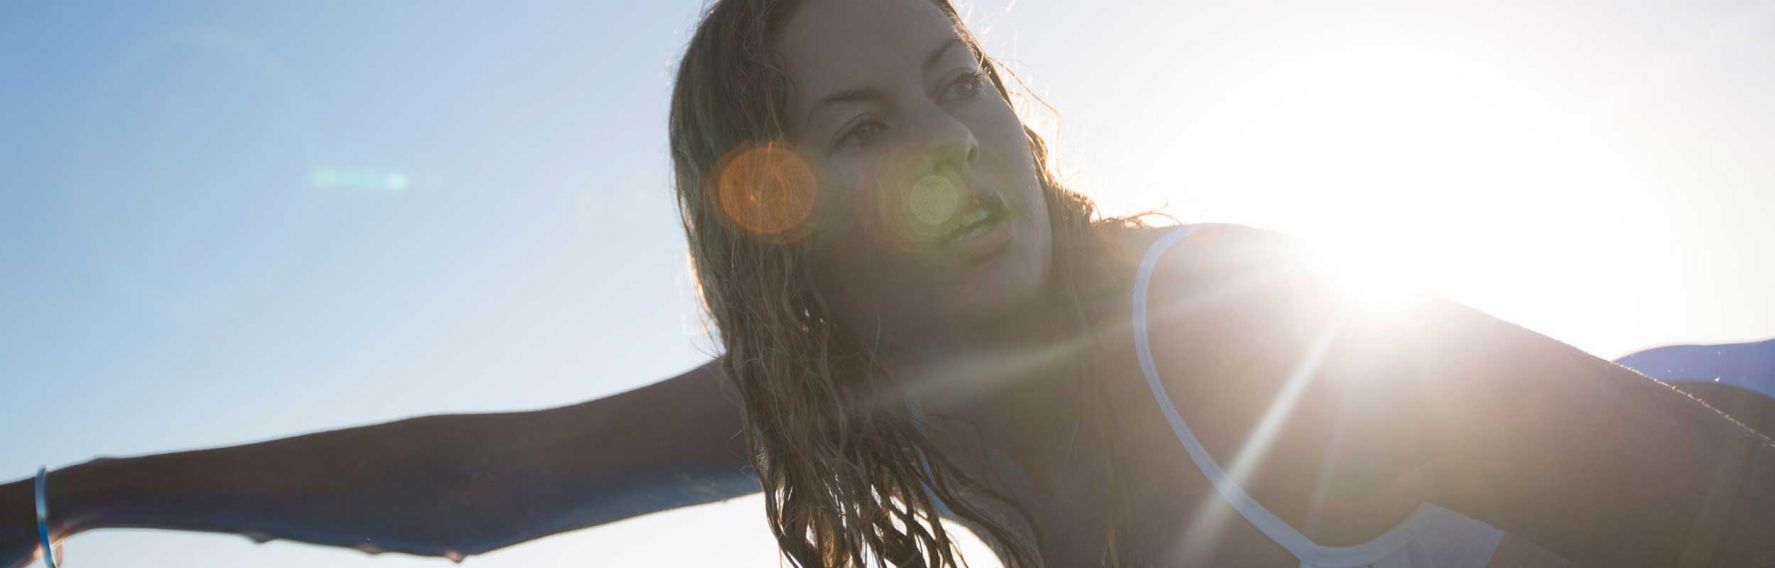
(937, 54)
(866, 93)
(844, 96)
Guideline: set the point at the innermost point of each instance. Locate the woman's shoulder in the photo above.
(1183, 261)
(1220, 278)
(1231, 311)
(1257, 304)
(1218, 281)
(1195, 242)
(1254, 344)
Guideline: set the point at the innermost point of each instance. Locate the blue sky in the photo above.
(225, 222)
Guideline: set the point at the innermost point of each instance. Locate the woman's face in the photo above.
(928, 212)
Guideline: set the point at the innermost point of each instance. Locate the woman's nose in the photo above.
(942, 139)
(935, 178)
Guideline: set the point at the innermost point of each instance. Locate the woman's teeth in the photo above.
(973, 225)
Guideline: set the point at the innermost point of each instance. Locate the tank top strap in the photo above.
(924, 462)
(1310, 553)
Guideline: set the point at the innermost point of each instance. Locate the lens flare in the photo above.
(767, 191)
(919, 212)
(933, 200)
(358, 179)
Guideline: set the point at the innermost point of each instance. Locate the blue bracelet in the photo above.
(43, 518)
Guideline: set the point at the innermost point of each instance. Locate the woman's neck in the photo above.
(962, 364)
(1020, 387)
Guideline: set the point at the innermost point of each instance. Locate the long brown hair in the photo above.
(848, 475)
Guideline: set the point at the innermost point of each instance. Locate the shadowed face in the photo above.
(929, 214)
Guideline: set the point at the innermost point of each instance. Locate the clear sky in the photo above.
(229, 222)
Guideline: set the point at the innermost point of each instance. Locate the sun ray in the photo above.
(1209, 522)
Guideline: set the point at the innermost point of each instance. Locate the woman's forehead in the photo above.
(840, 44)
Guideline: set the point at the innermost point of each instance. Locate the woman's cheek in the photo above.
(869, 200)
(846, 212)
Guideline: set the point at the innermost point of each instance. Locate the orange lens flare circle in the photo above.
(767, 191)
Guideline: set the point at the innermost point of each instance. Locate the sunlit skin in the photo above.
(1337, 415)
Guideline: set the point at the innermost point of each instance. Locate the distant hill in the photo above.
(1738, 379)
(1748, 366)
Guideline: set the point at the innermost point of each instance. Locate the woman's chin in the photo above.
(998, 288)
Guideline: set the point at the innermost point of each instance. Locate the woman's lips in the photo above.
(982, 238)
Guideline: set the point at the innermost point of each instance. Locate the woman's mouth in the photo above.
(973, 225)
(980, 232)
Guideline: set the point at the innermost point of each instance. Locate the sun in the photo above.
(1422, 170)
(1376, 281)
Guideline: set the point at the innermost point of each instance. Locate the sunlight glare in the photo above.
(1208, 522)
(1429, 168)
(1376, 279)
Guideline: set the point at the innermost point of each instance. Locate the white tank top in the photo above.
(1431, 537)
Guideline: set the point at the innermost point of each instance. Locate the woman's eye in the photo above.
(862, 132)
(966, 86)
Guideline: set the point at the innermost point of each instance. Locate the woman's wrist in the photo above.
(70, 495)
(45, 538)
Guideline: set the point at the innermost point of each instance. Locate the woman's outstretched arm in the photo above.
(1432, 400)
(1592, 460)
(441, 485)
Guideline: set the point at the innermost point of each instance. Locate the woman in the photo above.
(917, 322)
